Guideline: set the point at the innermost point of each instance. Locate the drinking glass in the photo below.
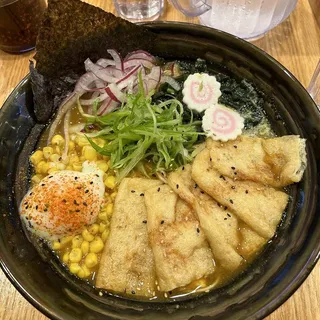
(247, 19)
(139, 10)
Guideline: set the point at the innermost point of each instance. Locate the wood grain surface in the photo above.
(296, 44)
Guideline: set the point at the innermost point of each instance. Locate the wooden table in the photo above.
(296, 44)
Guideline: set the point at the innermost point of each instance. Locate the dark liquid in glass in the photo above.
(19, 24)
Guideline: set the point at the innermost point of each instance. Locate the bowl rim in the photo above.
(258, 313)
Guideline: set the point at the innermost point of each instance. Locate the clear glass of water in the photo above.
(248, 19)
(139, 10)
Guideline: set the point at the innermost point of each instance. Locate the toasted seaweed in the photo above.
(71, 32)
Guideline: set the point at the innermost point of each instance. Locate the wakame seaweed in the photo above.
(239, 95)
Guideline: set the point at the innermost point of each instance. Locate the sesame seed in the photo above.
(91, 182)
(231, 201)
(141, 194)
(86, 191)
(97, 175)
(229, 215)
(42, 185)
(233, 187)
(247, 191)
(235, 147)
(85, 204)
(183, 168)
(50, 177)
(195, 186)
(235, 173)
(144, 221)
(210, 159)
(162, 222)
(77, 210)
(177, 186)
(133, 191)
(45, 209)
(75, 178)
(158, 189)
(133, 292)
(225, 208)
(233, 168)
(36, 207)
(198, 230)
(202, 192)
(225, 219)
(222, 177)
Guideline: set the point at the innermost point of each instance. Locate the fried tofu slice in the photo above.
(181, 252)
(218, 224)
(260, 207)
(127, 263)
(276, 162)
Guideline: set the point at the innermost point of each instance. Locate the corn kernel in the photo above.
(56, 245)
(91, 260)
(54, 157)
(96, 245)
(57, 140)
(39, 166)
(36, 157)
(105, 235)
(65, 241)
(36, 178)
(80, 273)
(89, 153)
(71, 145)
(47, 152)
(57, 150)
(85, 247)
(103, 216)
(109, 209)
(77, 241)
(77, 166)
(60, 166)
(113, 195)
(75, 255)
(73, 159)
(74, 268)
(65, 258)
(94, 229)
(69, 167)
(82, 141)
(87, 235)
(102, 227)
(86, 271)
(110, 182)
(102, 165)
(52, 170)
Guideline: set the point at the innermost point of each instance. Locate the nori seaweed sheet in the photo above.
(71, 32)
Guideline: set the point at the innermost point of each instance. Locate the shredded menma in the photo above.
(142, 130)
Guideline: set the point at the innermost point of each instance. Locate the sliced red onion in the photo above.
(173, 83)
(85, 82)
(136, 62)
(114, 72)
(117, 59)
(100, 98)
(101, 73)
(130, 77)
(154, 77)
(115, 94)
(105, 63)
(107, 106)
(140, 54)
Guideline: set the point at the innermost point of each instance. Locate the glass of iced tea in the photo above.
(19, 24)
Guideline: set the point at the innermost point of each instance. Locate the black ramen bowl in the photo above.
(267, 283)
